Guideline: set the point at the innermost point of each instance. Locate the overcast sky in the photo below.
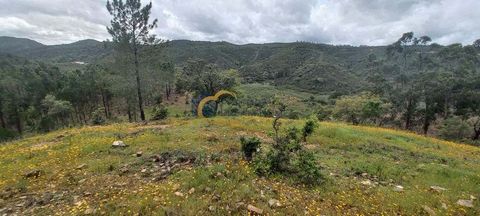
(355, 22)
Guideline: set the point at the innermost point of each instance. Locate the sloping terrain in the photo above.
(194, 167)
(12, 45)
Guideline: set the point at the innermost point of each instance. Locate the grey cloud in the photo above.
(372, 22)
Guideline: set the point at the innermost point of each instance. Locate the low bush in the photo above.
(98, 117)
(160, 112)
(249, 146)
(287, 155)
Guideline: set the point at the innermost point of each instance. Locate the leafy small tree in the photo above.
(307, 130)
(287, 155)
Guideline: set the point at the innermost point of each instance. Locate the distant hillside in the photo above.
(17, 45)
(309, 66)
(84, 51)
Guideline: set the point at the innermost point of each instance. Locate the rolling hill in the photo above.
(318, 68)
(194, 166)
(12, 45)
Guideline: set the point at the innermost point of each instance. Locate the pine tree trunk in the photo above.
(104, 101)
(18, 121)
(139, 91)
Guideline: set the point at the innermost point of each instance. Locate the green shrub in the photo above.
(249, 146)
(307, 130)
(160, 112)
(6, 134)
(98, 117)
(287, 155)
(306, 168)
(454, 128)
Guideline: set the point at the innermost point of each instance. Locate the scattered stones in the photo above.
(398, 188)
(191, 191)
(180, 194)
(82, 181)
(430, 211)
(364, 174)
(254, 209)
(211, 208)
(139, 154)
(274, 203)
(119, 144)
(208, 189)
(465, 203)
(143, 171)
(81, 166)
(437, 189)
(33, 174)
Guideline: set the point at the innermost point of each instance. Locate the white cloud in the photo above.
(371, 22)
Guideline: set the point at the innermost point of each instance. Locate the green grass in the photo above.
(344, 152)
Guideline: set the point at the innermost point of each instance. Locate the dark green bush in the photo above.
(6, 135)
(160, 112)
(306, 168)
(249, 146)
(98, 117)
(287, 156)
(307, 130)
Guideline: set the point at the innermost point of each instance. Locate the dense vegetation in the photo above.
(411, 85)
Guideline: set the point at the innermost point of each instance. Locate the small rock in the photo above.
(473, 197)
(437, 189)
(367, 183)
(364, 174)
(139, 154)
(465, 203)
(430, 211)
(119, 144)
(208, 189)
(254, 209)
(124, 169)
(33, 174)
(156, 158)
(191, 191)
(274, 203)
(398, 188)
(239, 204)
(89, 211)
(219, 175)
(87, 194)
(444, 206)
(180, 194)
(82, 181)
(211, 208)
(143, 171)
(81, 166)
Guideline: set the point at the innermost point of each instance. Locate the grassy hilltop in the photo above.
(194, 167)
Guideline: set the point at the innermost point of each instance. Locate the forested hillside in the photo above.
(412, 84)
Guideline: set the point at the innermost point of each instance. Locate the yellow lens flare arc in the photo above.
(211, 98)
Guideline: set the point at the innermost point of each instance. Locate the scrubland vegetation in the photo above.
(111, 128)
